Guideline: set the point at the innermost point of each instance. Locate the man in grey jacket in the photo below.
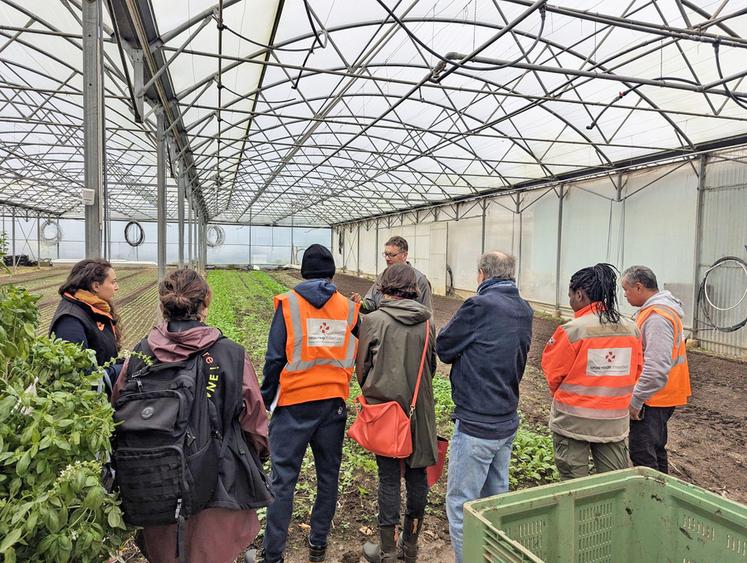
(665, 381)
(395, 252)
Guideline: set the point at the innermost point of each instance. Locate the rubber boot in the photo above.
(385, 551)
(410, 535)
(317, 552)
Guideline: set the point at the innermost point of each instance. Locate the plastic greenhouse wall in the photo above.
(650, 217)
(270, 246)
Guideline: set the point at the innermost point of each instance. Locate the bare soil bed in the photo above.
(707, 438)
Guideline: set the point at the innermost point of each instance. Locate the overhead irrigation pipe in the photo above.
(704, 89)
(464, 58)
(648, 27)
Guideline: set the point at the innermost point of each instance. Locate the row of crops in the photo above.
(54, 430)
(242, 307)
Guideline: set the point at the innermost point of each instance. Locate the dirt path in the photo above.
(707, 438)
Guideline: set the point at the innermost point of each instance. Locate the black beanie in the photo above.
(317, 263)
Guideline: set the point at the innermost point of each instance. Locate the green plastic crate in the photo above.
(635, 515)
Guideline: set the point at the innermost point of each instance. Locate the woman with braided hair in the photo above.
(592, 364)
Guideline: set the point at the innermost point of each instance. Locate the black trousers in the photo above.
(390, 478)
(648, 438)
(321, 425)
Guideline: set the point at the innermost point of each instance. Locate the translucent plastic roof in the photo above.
(362, 108)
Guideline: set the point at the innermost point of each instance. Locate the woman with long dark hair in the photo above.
(592, 364)
(86, 313)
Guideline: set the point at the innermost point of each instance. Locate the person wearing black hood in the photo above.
(310, 358)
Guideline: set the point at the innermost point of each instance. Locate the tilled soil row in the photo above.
(707, 438)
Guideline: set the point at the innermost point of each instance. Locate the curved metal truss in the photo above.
(320, 111)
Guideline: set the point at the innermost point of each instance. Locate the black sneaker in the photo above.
(317, 552)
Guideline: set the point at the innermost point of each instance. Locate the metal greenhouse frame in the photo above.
(317, 113)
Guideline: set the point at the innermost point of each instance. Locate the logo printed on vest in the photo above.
(325, 332)
(101, 326)
(608, 361)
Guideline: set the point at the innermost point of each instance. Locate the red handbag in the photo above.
(385, 428)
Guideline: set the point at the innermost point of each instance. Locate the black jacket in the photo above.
(241, 482)
(77, 322)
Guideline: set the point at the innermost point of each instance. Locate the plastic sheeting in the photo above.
(646, 217)
(345, 119)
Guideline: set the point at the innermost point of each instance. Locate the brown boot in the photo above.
(410, 534)
(385, 551)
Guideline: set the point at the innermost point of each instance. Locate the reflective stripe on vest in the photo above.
(595, 365)
(596, 391)
(320, 348)
(297, 363)
(677, 390)
(585, 412)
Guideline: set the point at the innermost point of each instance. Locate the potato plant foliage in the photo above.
(55, 431)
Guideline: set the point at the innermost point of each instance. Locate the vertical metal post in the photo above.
(38, 241)
(376, 250)
(180, 210)
(559, 250)
(484, 209)
(251, 261)
(203, 245)
(521, 227)
(189, 227)
(698, 242)
(358, 250)
(293, 254)
(13, 238)
(161, 185)
(58, 238)
(93, 123)
(195, 240)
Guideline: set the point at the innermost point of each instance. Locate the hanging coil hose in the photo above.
(134, 233)
(53, 236)
(216, 236)
(707, 305)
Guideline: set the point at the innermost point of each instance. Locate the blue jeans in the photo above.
(321, 425)
(477, 468)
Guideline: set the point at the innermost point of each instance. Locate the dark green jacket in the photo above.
(389, 350)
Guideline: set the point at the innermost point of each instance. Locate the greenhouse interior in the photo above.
(229, 136)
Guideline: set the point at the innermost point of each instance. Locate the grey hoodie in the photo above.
(658, 341)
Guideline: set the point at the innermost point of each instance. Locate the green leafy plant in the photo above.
(54, 434)
(3, 250)
(532, 459)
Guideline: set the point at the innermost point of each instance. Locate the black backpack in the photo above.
(167, 444)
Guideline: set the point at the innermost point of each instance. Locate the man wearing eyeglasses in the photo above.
(395, 252)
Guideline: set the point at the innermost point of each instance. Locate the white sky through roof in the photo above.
(330, 124)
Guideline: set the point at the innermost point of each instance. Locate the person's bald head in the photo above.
(497, 264)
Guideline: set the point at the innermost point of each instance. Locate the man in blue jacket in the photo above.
(487, 342)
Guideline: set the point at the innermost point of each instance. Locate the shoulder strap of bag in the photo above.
(422, 365)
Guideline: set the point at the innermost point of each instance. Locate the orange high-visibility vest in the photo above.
(592, 368)
(677, 390)
(320, 348)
